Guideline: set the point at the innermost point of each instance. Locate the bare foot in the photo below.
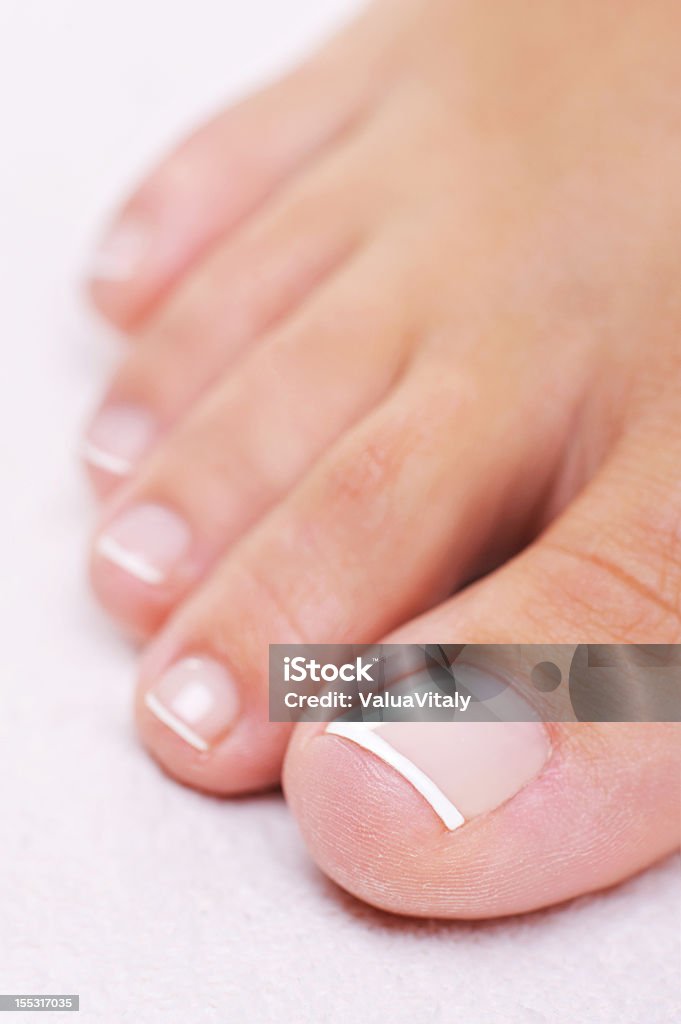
(406, 316)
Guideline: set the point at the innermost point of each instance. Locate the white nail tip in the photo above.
(114, 464)
(133, 564)
(364, 735)
(175, 724)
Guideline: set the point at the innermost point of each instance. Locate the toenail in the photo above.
(121, 251)
(146, 541)
(118, 438)
(462, 769)
(197, 699)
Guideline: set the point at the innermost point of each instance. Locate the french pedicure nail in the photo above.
(146, 541)
(118, 438)
(197, 699)
(121, 251)
(462, 769)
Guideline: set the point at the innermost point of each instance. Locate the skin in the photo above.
(484, 338)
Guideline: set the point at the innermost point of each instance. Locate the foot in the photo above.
(396, 328)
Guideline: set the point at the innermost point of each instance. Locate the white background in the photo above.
(154, 903)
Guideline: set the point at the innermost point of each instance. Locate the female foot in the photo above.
(394, 328)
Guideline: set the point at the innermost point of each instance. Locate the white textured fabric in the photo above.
(155, 904)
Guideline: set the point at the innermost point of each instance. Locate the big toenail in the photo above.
(118, 438)
(122, 251)
(462, 769)
(197, 699)
(147, 541)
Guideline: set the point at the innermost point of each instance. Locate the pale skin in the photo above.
(407, 316)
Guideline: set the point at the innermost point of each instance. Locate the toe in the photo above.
(470, 820)
(343, 558)
(466, 819)
(226, 170)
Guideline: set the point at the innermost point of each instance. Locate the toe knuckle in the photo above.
(607, 591)
(361, 476)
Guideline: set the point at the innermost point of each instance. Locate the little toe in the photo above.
(215, 179)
